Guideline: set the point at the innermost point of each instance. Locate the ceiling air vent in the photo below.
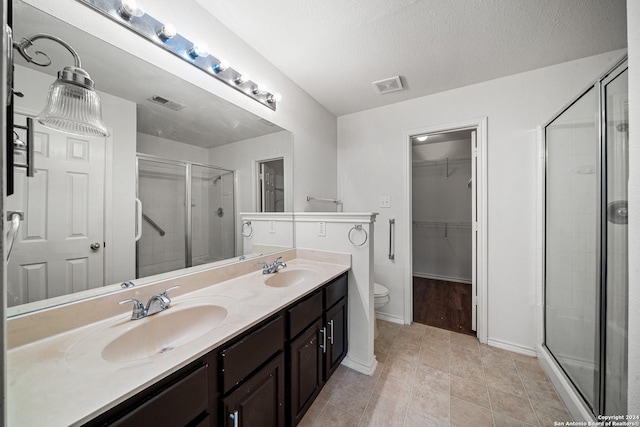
(157, 99)
(388, 85)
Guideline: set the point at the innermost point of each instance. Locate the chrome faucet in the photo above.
(156, 303)
(272, 268)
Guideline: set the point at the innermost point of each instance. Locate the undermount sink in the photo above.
(163, 332)
(293, 277)
(126, 340)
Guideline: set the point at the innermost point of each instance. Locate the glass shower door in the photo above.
(586, 241)
(571, 256)
(615, 94)
(161, 191)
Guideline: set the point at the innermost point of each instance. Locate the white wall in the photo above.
(242, 156)
(170, 149)
(120, 117)
(371, 163)
(633, 34)
(313, 127)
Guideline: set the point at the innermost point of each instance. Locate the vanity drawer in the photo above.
(179, 404)
(245, 356)
(304, 313)
(335, 290)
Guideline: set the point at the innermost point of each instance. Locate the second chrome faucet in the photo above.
(156, 304)
(272, 268)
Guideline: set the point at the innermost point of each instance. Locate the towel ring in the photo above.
(244, 229)
(359, 228)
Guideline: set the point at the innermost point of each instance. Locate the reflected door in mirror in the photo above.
(59, 248)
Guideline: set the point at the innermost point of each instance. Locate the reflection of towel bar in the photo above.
(153, 224)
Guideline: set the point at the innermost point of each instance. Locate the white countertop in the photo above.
(62, 381)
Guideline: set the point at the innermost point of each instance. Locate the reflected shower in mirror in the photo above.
(94, 216)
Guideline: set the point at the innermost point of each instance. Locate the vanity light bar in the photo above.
(127, 13)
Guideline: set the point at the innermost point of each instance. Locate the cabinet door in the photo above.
(259, 401)
(306, 370)
(336, 324)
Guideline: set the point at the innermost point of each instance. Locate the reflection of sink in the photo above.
(163, 332)
(286, 278)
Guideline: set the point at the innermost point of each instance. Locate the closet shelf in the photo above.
(442, 162)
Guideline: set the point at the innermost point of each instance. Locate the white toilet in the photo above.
(380, 299)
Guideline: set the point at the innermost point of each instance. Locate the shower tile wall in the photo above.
(571, 260)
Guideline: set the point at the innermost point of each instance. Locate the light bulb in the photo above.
(220, 66)
(276, 97)
(199, 50)
(260, 89)
(422, 138)
(129, 9)
(166, 32)
(242, 79)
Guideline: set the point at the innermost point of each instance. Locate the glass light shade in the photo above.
(73, 109)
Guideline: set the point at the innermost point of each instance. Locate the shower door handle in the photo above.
(138, 219)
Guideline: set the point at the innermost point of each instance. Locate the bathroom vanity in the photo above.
(276, 341)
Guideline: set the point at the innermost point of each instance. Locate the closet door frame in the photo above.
(479, 223)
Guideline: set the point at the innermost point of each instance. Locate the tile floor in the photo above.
(432, 377)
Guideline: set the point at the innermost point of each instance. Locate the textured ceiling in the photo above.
(335, 49)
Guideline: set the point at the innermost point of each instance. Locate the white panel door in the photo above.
(268, 184)
(64, 215)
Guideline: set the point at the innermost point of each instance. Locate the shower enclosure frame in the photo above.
(599, 85)
(188, 165)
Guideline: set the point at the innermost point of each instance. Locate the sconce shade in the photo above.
(73, 106)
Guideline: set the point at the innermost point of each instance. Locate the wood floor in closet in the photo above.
(442, 304)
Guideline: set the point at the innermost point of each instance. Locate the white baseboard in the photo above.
(516, 348)
(389, 318)
(359, 366)
(569, 395)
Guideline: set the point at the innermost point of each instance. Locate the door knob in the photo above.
(95, 246)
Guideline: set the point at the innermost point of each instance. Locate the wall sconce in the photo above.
(73, 106)
(128, 14)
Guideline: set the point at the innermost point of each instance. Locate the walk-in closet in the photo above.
(442, 212)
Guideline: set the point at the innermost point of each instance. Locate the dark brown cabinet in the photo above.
(188, 397)
(316, 353)
(260, 400)
(306, 375)
(336, 324)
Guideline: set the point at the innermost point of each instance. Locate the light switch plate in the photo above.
(385, 201)
(322, 229)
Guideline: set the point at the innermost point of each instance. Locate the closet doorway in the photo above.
(445, 225)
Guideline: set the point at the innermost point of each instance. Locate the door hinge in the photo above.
(475, 226)
(474, 300)
(474, 151)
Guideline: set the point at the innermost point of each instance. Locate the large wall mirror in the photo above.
(169, 188)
